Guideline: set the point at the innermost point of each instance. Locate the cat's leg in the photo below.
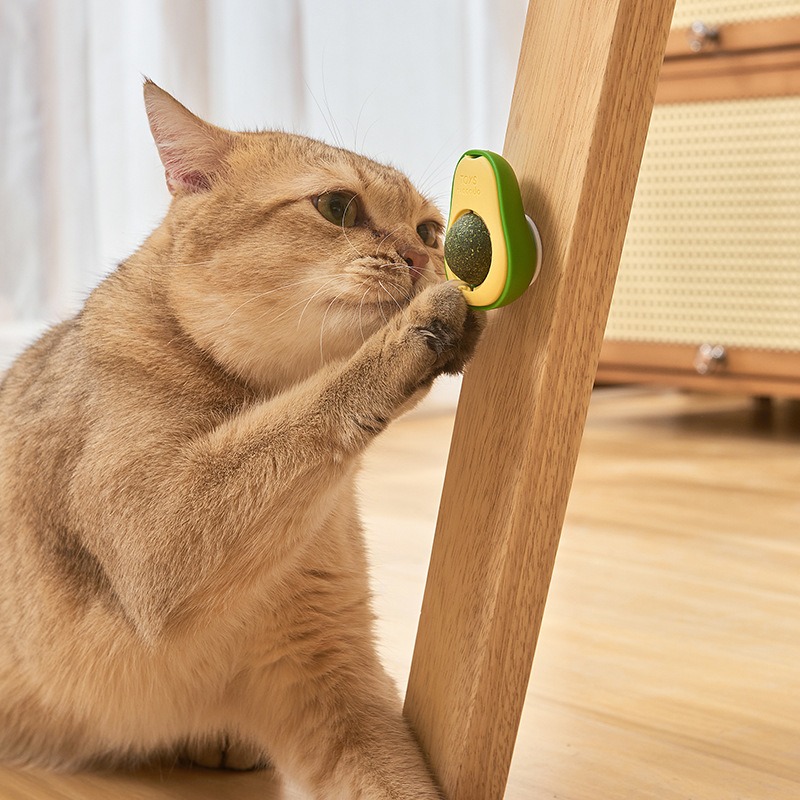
(244, 495)
(337, 411)
(314, 694)
(342, 735)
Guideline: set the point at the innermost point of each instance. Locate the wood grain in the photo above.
(582, 101)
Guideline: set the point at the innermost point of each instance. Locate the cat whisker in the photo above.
(382, 268)
(392, 297)
(434, 165)
(309, 279)
(299, 302)
(340, 138)
(380, 308)
(404, 293)
(366, 133)
(324, 115)
(358, 119)
(401, 268)
(443, 156)
(435, 177)
(373, 272)
(308, 302)
(259, 295)
(360, 310)
(322, 327)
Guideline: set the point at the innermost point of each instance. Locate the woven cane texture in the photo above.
(713, 245)
(715, 12)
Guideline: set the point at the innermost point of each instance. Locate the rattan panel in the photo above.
(713, 246)
(719, 11)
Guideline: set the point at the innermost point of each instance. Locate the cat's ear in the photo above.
(192, 151)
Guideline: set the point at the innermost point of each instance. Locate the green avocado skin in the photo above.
(468, 249)
(521, 244)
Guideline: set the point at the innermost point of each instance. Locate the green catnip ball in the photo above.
(468, 249)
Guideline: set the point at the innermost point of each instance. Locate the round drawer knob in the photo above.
(701, 36)
(709, 358)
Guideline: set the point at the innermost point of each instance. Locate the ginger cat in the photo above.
(182, 565)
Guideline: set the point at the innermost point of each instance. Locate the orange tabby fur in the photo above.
(183, 565)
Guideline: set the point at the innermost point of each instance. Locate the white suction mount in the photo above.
(538, 240)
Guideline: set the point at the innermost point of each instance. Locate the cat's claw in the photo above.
(437, 336)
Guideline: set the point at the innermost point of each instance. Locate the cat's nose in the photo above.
(416, 260)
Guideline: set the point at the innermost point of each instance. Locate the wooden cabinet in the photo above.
(708, 292)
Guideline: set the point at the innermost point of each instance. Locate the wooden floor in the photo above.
(669, 660)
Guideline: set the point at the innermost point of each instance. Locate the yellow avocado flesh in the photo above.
(475, 190)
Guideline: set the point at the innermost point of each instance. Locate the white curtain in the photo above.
(412, 83)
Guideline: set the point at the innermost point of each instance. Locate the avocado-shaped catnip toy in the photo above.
(490, 245)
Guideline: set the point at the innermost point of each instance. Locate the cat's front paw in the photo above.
(223, 753)
(449, 328)
(435, 334)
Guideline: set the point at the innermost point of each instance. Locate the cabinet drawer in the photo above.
(712, 253)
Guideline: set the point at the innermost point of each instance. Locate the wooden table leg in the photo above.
(582, 102)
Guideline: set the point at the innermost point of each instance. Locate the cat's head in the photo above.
(285, 252)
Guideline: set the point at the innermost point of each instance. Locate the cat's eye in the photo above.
(340, 208)
(429, 233)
